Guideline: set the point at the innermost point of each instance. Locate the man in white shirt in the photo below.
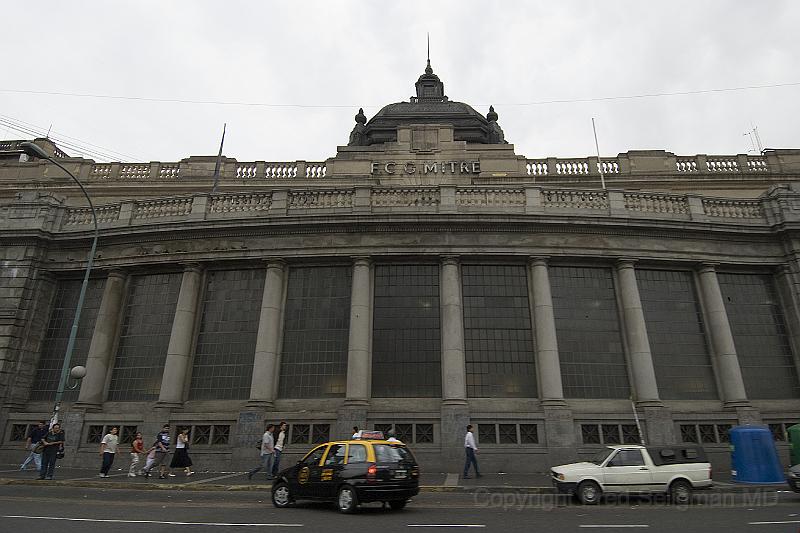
(279, 443)
(470, 448)
(267, 453)
(108, 449)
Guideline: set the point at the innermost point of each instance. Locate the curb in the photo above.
(208, 487)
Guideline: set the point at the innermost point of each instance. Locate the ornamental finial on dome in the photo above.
(491, 115)
(360, 117)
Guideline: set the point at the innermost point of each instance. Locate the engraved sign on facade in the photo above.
(425, 167)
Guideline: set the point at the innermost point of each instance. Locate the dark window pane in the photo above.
(722, 431)
(300, 433)
(128, 433)
(611, 434)
(223, 360)
(54, 345)
(777, 432)
(316, 333)
(19, 432)
(588, 332)
(487, 434)
(144, 337)
(507, 433)
(321, 433)
(424, 433)
(677, 338)
(590, 434)
(383, 428)
(406, 346)
(221, 434)
(95, 435)
(707, 433)
(630, 434)
(689, 433)
(759, 333)
(404, 432)
(498, 338)
(201, 434)
(528, 434)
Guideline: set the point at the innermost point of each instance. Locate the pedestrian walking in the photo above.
(181, 459)
(267, 453)
(393, 437)
(108, 450)
(470, 449)
(35, 436)
(280, 442)
(151, 458)
(161, 446)
(137, 449)
(356, 434)
(53, 443)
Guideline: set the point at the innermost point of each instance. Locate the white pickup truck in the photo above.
(673, 470)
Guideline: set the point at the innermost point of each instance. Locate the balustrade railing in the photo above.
(138, 171)
(656, 203)
(573, 199)
(733, 208)
(418, 197)
(501, 198)
(280, 170)
(428, 200)
(167, 207)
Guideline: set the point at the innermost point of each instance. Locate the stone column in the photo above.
(724, 349)
(454, 376)
(100, 356)
(644, 376)
(559, 425)
(179, 352)
(359, 360)
(266, 367)
(548, 366)
(455, 411)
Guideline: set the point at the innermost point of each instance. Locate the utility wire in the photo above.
(348, 106)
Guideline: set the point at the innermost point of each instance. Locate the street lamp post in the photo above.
(34, 150)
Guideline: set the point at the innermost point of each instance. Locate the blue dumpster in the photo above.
(754, 458)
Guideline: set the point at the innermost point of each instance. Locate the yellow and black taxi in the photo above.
(351, 472)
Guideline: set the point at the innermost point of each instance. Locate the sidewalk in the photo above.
(237, 481)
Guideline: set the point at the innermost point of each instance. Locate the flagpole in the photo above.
(218, 164)
(599, 163)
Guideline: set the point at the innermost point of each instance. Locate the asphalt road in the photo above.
(73, 510)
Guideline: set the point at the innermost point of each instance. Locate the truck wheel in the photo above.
(281, 496)
(589, 493)
(347, 501)
(680, 492)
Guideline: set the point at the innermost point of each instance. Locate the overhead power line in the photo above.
(323, 106)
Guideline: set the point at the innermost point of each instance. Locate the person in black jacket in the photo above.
(34, 437)
(53, 442)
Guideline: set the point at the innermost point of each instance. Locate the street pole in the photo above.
(33, 149)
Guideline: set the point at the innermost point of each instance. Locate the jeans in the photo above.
(471, 459)
(48, 462)
(266, 465)
(35, 457)
(108, 460)
(277, 462)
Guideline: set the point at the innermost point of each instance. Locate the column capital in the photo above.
(450, 259)
(192, 267)
(706, 267)
(538, 260)
(625, 262)
(117, 273)
(275, 262)
(362, 260)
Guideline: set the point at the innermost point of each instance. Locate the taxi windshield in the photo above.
(602, 455)
(386, 453)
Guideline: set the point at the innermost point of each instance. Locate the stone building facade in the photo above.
(424, 278)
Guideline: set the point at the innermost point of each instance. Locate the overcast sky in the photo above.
(304, 68)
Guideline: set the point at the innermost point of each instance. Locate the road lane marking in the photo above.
(614, 525)
(446, 525)
(201, 481)
(766, 523)
(451, 480)
(171, 523)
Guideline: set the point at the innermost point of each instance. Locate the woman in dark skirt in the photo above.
(181, 457)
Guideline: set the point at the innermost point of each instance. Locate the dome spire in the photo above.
(429, 86)
(428, 69)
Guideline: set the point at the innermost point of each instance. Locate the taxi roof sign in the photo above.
(370, 435)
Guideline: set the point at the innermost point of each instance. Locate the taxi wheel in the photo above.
(347, 501)
(588, 493)
(281, 495)
(397, 505)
